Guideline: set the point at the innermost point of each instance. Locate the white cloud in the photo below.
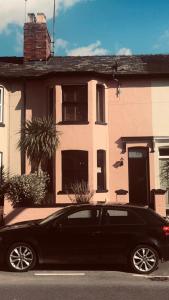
(124, 51)
(61, 44)
(13, 11)
(92, 49)
(19, 42)
(162, 41)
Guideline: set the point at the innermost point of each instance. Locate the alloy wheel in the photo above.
(21, 258)
(145, 259)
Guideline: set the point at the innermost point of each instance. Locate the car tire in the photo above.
(21, 257)
(144, 259)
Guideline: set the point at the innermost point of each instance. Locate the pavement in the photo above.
(89, 283)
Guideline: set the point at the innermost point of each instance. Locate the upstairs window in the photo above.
(1, 104)
(74, 168)
(101, 170)
(74, 103)
(100, 103)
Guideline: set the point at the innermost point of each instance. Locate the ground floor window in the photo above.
(74, 168)
(101, 170)
(164, 170)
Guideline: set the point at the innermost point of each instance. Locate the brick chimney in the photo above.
(37, 41)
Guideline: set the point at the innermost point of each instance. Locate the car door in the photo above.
(121, 228)
(73, 237)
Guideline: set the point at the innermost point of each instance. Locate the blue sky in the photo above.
(92, 27)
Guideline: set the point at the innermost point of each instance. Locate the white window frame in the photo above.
(1, 104)
(163, 157)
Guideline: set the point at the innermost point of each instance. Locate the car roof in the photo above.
(112, 205)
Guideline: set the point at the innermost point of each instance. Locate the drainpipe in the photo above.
(23, 119)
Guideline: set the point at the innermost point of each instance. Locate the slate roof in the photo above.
(14, 67)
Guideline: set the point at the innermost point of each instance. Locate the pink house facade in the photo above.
(112, 114)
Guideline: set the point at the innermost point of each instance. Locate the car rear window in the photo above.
(120, 216)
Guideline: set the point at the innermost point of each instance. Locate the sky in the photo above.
(91, 27)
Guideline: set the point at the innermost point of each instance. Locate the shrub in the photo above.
(3, 184)
(27, 190)
(82, 193)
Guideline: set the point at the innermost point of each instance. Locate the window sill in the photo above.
(73, 123)
(63, 192)
(2, 124)
(100, 123)
(101, 191)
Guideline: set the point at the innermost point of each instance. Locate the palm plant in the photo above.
(39, 139)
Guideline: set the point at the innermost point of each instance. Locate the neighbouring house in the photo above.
(112, 112)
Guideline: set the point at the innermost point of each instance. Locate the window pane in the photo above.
(82, 218)
(114, 217)
(137, 153)
(74, 167)
(101, 170)
(164, 151)
(82, 214)
(164, 176)
(100, 104)
(117, 213)
(69, 113)
(74, 104)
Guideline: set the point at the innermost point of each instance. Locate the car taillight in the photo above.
(166, 230)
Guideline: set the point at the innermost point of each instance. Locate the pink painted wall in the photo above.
(127, 115)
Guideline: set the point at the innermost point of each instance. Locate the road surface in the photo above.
(84, 284)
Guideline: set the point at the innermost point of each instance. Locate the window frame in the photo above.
(75, 104)
(1, 105)
(142, 221)
(86, 155)
(103, 172)
(100, 105)
(87, 224)
(163, 158)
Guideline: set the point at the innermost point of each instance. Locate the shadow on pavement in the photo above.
(84, 267)
(72, 267)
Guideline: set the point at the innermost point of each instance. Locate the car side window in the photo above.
(119, 216)
(87, 217)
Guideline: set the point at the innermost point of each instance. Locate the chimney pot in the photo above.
(31, 18)
(41, 18)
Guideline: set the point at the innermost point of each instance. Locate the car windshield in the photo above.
(54, 215)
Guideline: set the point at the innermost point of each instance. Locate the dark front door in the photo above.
(138, 165)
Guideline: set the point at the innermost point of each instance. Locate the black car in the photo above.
(88, 234)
